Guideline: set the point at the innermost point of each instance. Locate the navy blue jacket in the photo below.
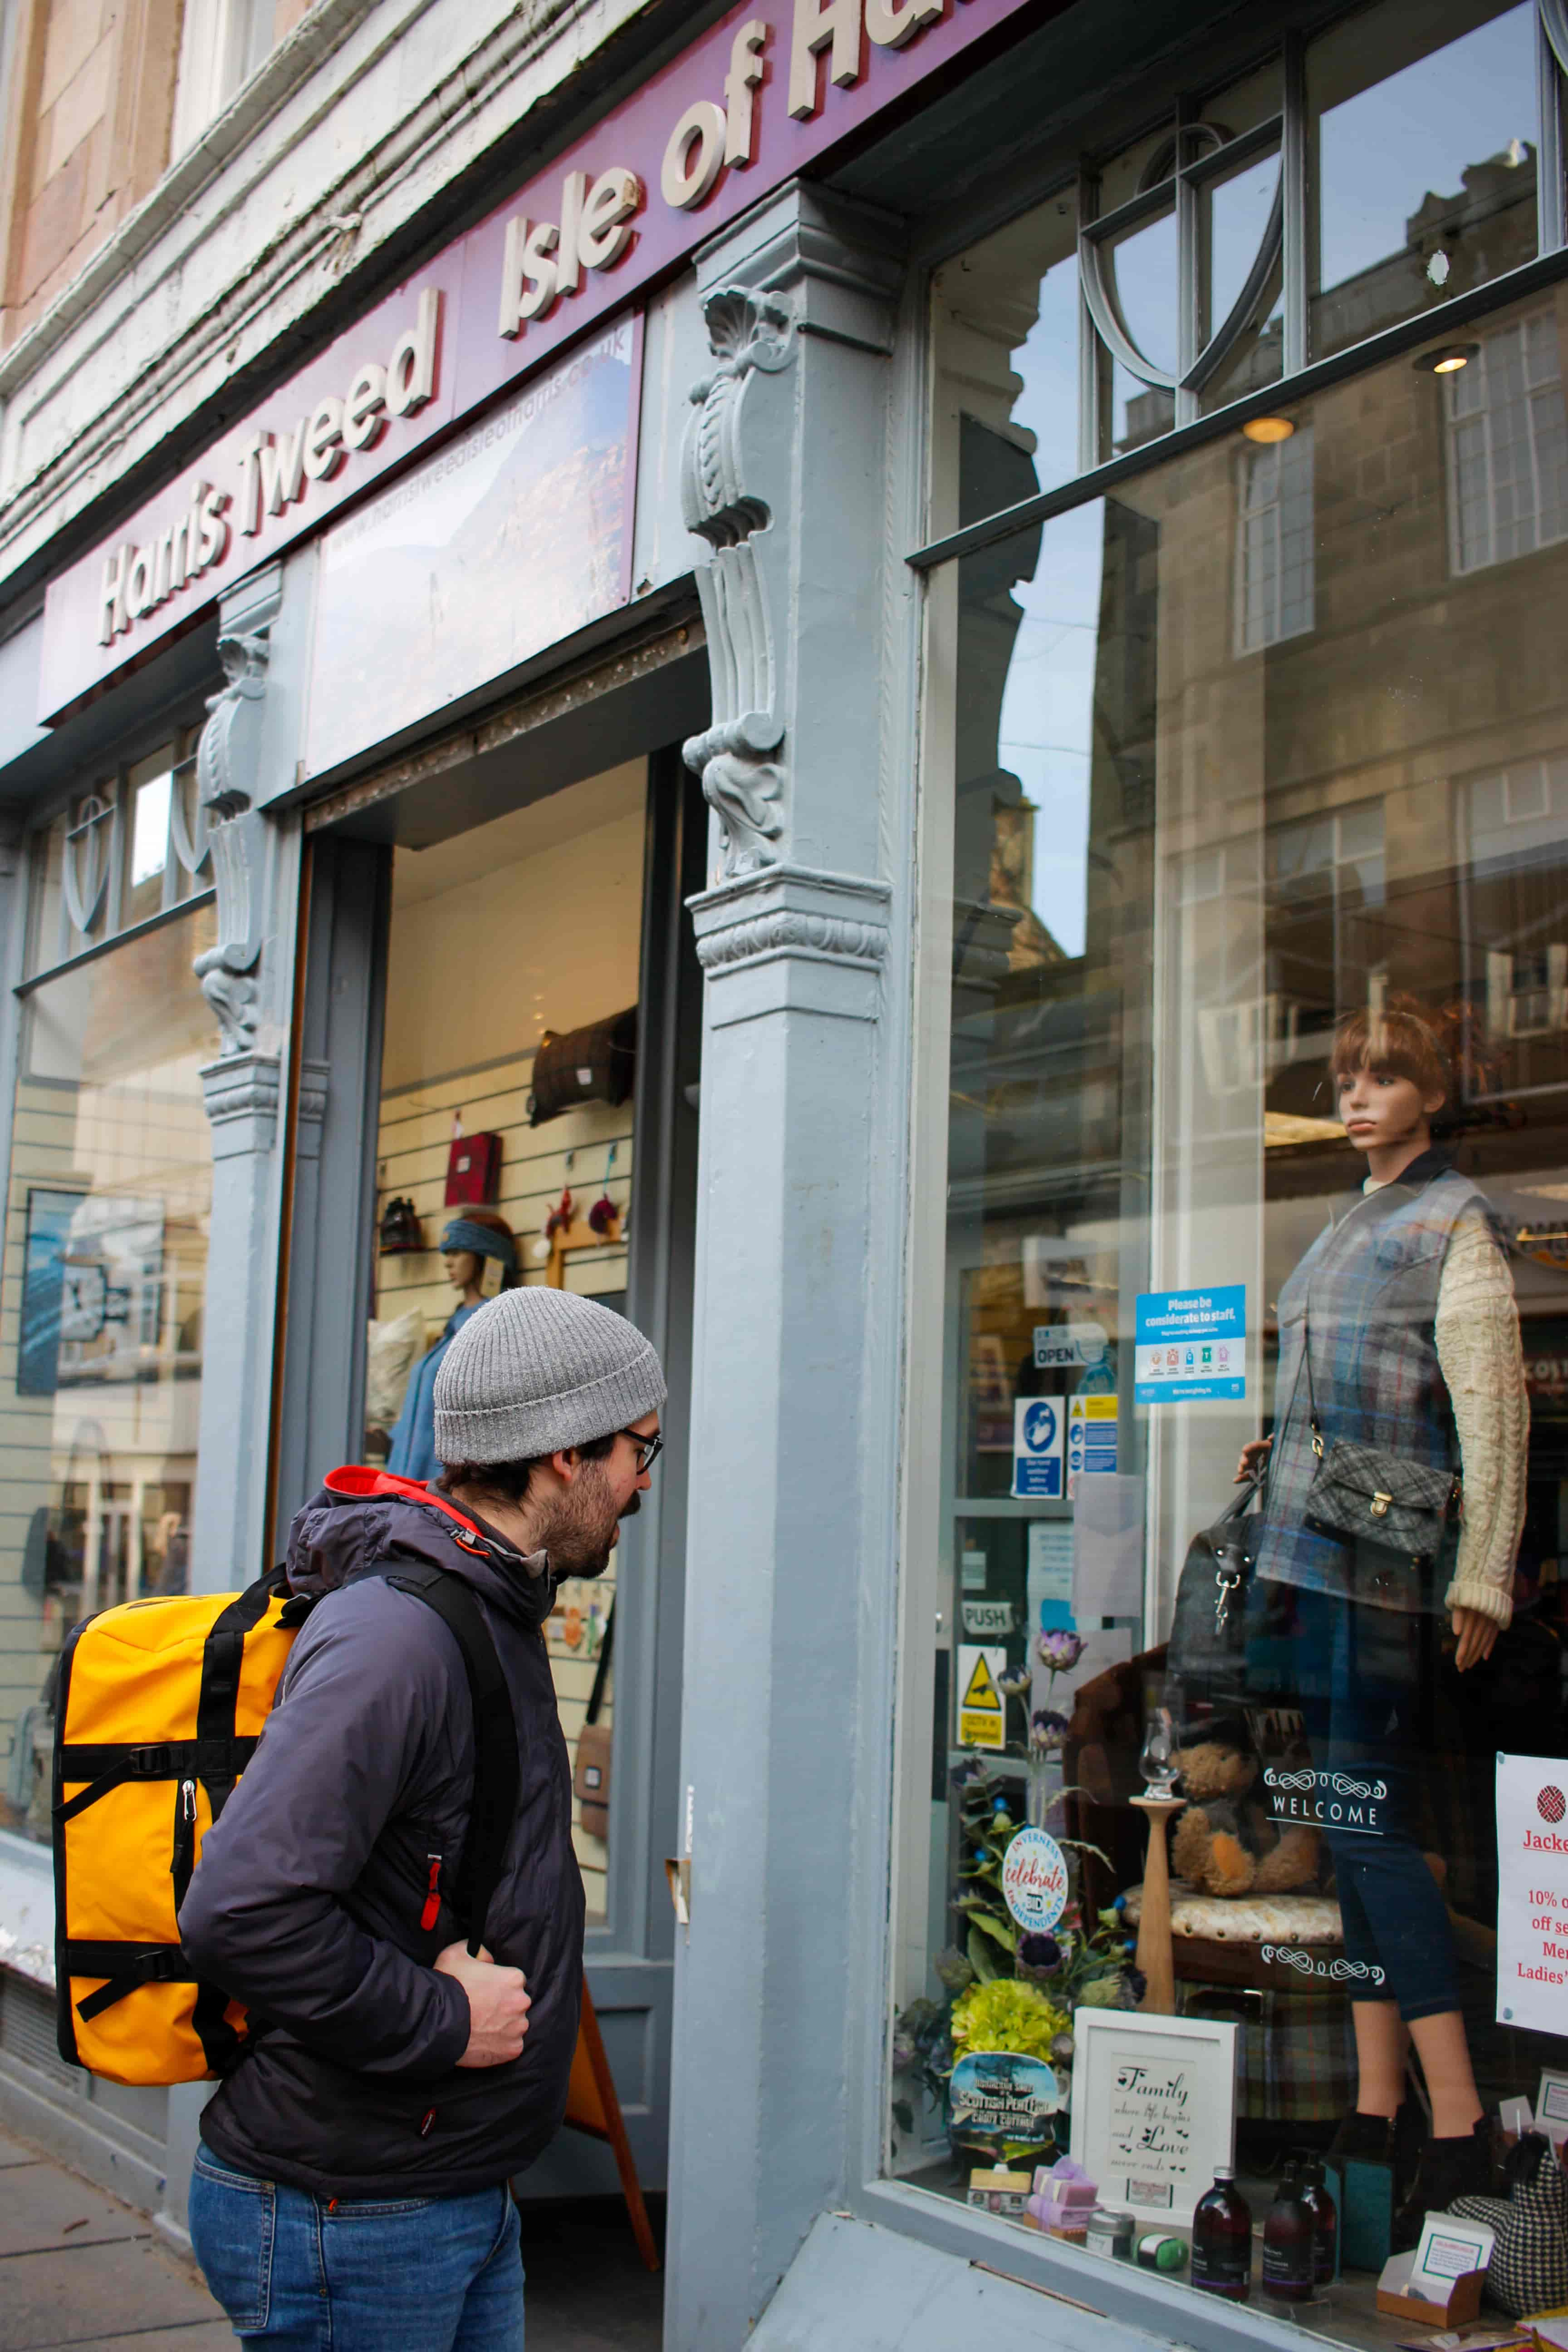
(308, 1902)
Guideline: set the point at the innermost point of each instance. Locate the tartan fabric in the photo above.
(1365, 1295)
(1297, 2061)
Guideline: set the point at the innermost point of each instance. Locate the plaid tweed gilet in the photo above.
(1365, 1295)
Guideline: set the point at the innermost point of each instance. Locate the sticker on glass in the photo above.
(1034, 1881)
(1038, 1448)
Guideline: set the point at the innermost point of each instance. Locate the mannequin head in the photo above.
(1391, 1079)
(471, 1272)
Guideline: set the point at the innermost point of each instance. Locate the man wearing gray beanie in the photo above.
(409, 2071)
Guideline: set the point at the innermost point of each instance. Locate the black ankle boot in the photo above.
(1368, 2139)
(1461, 2167)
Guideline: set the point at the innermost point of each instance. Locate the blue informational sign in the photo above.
(1191, 1343)
(1039, 1424)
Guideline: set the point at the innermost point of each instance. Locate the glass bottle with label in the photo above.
(1222, 2239)
(1325, 2221)
(1289, 2242)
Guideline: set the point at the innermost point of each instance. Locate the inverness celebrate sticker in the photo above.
(1034, 1881)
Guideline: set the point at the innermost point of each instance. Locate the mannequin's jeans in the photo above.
(301, 2273)
(1363, 1675)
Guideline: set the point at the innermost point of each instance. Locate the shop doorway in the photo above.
(500, 1025)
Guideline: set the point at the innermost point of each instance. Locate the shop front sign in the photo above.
(754, 100)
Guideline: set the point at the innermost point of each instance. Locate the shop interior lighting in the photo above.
(1447, 359)
(1267, 428)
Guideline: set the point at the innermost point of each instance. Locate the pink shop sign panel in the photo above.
(512, 535)
(766, 92)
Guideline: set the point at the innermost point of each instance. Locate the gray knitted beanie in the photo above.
(538, 1370)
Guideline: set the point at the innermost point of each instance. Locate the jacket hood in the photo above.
(361, 1517)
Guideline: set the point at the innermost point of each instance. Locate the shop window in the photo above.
(101, 1293)
(519, 929)
(1276, 541)
(129, 849)
(1508, 447)
(1188, 893)
(1421, 136)
(222, 43)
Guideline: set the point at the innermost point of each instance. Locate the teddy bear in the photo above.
(1223, 1844)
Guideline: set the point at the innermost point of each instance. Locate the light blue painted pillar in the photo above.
(796, 1343)
(247, 977)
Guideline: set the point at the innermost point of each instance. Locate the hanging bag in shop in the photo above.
(597, 1064)
(159, 1708)
(591, 1772)
(1370, 1495)
(1219, 1604)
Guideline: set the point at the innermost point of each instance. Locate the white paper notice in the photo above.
(1532, 1892)
(1108, 1548)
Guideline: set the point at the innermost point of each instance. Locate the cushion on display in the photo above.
(1260, 1919)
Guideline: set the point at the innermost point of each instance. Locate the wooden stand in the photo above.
(578, 1236)
(592, 2108)
(1463, 2303)
(1154, 1955)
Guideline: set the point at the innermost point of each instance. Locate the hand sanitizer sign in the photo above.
(1038, 1426)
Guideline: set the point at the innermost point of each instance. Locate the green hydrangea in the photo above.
(1006, 2015)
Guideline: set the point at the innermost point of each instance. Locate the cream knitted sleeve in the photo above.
(1483, 1363)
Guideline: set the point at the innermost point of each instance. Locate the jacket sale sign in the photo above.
(1532, 1892)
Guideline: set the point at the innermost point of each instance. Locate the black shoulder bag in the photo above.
(1218, 1605)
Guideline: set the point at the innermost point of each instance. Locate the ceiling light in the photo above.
(1267, 428)
(1447, 359)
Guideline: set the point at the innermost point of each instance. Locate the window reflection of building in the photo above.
(1508, 447)
(1275, 597)
(1513, 828)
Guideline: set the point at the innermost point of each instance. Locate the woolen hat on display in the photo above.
(536, 1370)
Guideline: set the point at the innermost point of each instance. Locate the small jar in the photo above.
(1110, 2234)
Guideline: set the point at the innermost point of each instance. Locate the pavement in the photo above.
(79, 2269)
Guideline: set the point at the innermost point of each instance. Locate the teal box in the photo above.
(1363, 2191)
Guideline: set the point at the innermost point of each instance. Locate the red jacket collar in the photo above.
(358, 1484)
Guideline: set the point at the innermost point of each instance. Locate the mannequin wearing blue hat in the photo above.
(471, 1238)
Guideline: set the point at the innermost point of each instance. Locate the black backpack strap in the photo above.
(495, 1735)
(597, 1695)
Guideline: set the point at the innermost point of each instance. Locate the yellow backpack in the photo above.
(130, 1813)
(160, 1705)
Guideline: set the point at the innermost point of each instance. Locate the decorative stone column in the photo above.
(784, 476)
(243, 978)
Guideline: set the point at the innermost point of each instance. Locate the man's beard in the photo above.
(581, 1537)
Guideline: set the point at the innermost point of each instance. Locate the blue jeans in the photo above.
(358, 2275)
(1364, 1678)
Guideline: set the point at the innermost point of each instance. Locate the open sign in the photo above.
(1034, 1881)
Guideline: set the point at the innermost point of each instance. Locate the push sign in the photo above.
(1037, 1430)
(1034, 1881)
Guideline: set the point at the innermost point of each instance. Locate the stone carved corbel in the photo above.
(225, 773)
(743, 778)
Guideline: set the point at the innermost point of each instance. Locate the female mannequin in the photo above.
(467, 1242)
(1402, 1315)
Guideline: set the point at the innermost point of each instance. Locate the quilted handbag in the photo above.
(1530, 2261)
(1367, 1494)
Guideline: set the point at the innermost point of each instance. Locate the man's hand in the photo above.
(1476, 1635)
(499, 2004)
(1254, 1456)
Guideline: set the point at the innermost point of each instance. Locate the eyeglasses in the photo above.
(649, 1448)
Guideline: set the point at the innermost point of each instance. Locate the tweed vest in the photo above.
(1364, 1300)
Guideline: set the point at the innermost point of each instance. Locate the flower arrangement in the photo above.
(1005, 2014)
(1002, 1988)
